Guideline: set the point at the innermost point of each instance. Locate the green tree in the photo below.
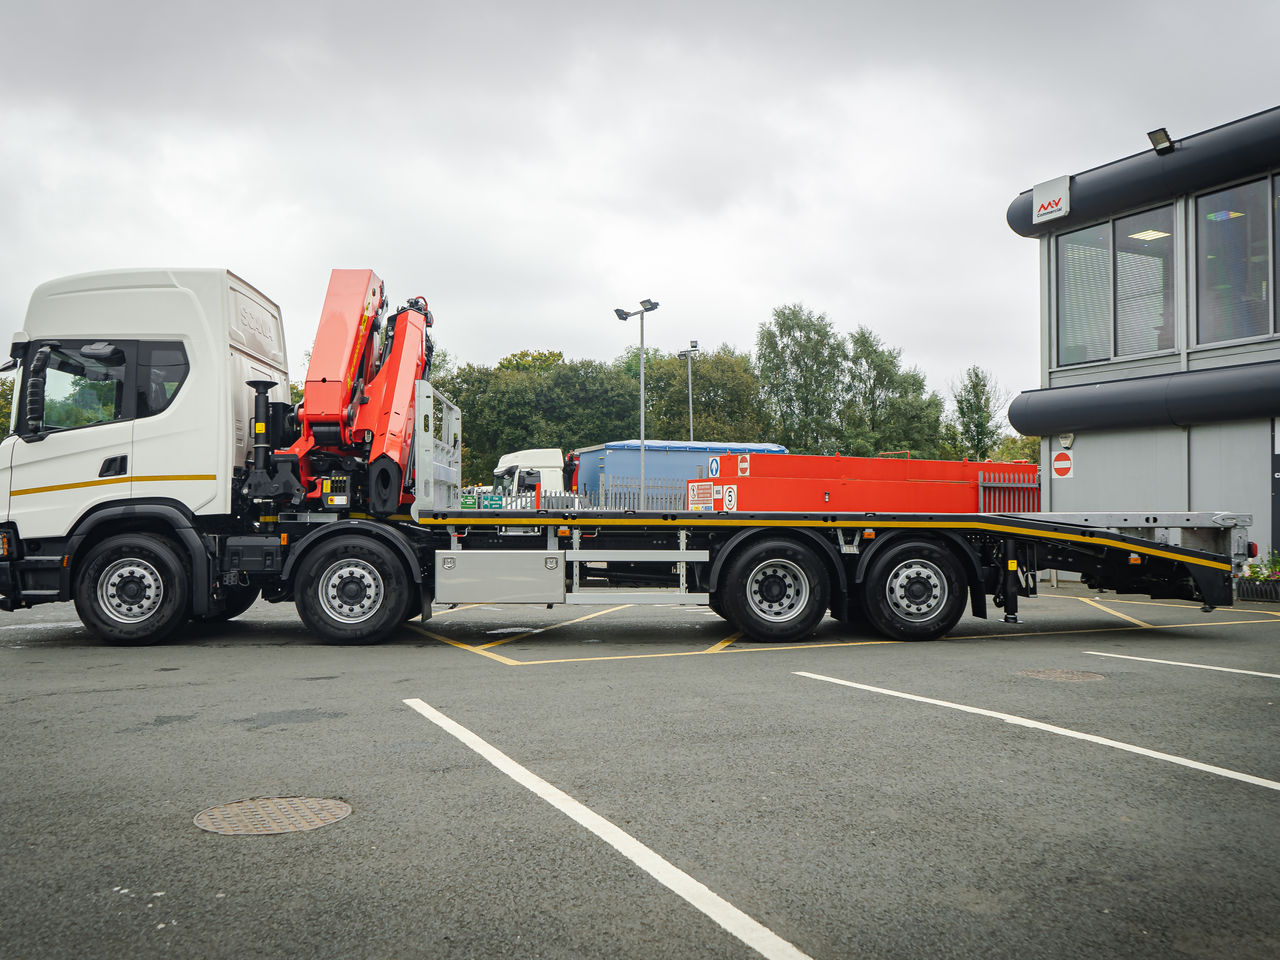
(978, 401)
(441, 364)
(562, 404)
(531, 360)
(800, 365)
(1017, 447)
(6, 404)
(887, 407)
(726, 398)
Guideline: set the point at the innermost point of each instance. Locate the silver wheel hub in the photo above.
(916, 590)
(350, 591)
(777, 590)
(130, 590)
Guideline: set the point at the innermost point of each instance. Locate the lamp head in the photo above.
(1161, 140)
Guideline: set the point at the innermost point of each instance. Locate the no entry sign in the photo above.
(1062, 465)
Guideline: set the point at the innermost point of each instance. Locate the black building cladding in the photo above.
(1233, 151)
(1226, 154)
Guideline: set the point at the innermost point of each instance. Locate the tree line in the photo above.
(807, 386)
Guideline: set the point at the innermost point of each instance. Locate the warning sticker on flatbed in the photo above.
(700, 496)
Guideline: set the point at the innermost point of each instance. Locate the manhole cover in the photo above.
(1062, 676)
(266, 815)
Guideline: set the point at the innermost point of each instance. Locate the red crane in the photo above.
(356, 416)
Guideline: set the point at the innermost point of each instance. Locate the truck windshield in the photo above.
(80, 391)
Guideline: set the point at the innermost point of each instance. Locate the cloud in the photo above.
(528, 167)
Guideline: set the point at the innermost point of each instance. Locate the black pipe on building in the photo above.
(1246, 392)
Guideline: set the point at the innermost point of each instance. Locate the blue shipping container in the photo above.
(664, 460)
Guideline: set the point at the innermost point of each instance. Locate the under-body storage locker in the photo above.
(500, 576)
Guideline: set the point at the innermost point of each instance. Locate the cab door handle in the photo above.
(114, 466)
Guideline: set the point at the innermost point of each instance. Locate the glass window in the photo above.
(1084, 295)
(80, 391)
(1233, 264)
(1144, 282)
(162, 368)
(1275, 218)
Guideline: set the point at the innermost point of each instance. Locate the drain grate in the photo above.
(1062, 676)
(267, 815)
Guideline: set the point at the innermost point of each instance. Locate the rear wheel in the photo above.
(132, 589)
(775, 590)
(914, 591)
(353, 590)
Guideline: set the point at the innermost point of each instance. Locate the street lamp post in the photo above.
(646, 306)
(688, 356)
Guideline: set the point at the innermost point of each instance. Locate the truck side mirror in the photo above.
(34, 397)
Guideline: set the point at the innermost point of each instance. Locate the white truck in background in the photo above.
(522, 471)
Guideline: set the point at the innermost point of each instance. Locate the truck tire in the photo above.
(775, 590)
(133, 589)
(914, 591)
(352, 589)
(236, 600)
(716, 602)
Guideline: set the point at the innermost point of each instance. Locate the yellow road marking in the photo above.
(723, 643)
(1114, 613)
(463, 646)
(589, 616)
(469, 606)
(718, 648)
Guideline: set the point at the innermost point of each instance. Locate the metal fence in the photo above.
(616, 493)
(623, 493)
(1008, 491)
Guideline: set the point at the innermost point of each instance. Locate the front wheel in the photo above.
(914, 591)
(775, 590)
(132, 589)
(352, 589)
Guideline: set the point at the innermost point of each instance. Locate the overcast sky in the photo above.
(528, 167)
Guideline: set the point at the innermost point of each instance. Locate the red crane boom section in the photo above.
(359, 393)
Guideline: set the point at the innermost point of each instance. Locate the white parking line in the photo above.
(1179, 663)
(49, 625)
(1060, 731)
(755, 935)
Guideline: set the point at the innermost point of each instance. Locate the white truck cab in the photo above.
(511, 476)
(143, 394)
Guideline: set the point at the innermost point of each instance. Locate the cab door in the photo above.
(175, 433)
(76, 454)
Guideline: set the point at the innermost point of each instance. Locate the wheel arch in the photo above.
(826, 552)
(164, 517)
(387, 534)
(955, 544)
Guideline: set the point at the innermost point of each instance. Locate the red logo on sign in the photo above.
(1062, 465)
(1051, 205)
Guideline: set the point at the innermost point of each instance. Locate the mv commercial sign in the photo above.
(1051, 200)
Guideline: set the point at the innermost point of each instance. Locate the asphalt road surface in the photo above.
(1101, 780)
